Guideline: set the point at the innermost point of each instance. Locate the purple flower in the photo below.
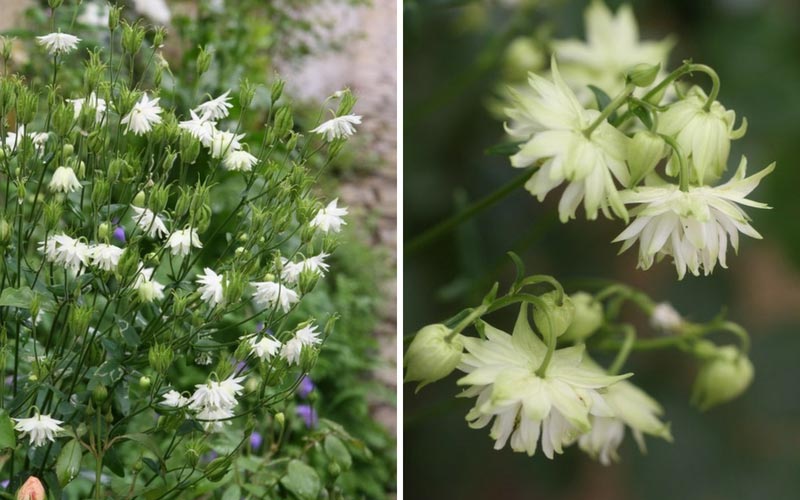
(308, 414)
(119, 234)
(4, 483)
(255, 440)
(305, 387)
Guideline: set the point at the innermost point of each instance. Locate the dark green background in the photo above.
(749, 449)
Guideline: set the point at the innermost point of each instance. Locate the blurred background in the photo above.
(454, 63)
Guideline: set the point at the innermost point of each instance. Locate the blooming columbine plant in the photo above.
(627, 139)
(154, 259)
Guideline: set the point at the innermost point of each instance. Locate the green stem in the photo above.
(612, 106)
(444, 227)
(625, 350)
(684, 166)
(473, 315)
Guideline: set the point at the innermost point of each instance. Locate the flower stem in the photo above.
(473, 315)
(444, 227)
(684, 166)
(625, 350)
(612, 106)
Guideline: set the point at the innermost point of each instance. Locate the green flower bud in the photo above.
(217, 469)
(79, 318)
(722, 377)
(160, 358)
(99, 394)
(643, 75)
(432, 355)
(292, 142)
(159, 35)
(307, 281)
(308, 358)
(246, 93)
(5, 232)
(284, 121)
(276, 91)
(203, 60)
(553, 319)
(100, 192)
(280, 419)
(103, 230)
(189, 148)
(139, 199)
(144, 382)
(52, 213)
(63, 117)
(67, 150)
(587, 319)
(132, 37)
(159, 195)
(334, 469)
(27, 104)
(645, 150)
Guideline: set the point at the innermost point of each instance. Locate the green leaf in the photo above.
(17, 297)
(301, 480)
(234, 492)
(337, 451)
(601, 97)
(504, 149)
(69, 462)
(7, 437)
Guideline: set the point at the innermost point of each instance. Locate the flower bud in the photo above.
(280, 419)
(99, 394)
(203, 60)
(159, 35)
(553, 319)
(645, 150)
(144, 382)
(32, 489)
(160, 358)
(643, 75)
(246, 93)
(665, 318)
(5, 232)
(522, 56)
(276, 91)
(722, 377)
(132, 38)
(432, 355)
(103, 230)
(52, 213)
(284, 121)
(100, 191)
(587, 319)
(139, 199)
(189, 148)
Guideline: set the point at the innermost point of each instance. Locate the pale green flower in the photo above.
(551, 121)
(704, 136)
(724, 376)
(432, 355)
(501, 373)
(694, 226)
(612, 47)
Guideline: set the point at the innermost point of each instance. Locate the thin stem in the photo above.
(444, 227)
(618, 101)
(474, 315)
(684, 166)
(624, 352)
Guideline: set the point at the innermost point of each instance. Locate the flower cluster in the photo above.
(607, 145)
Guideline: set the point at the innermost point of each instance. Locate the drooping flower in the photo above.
(92, 102)
(330, 218)
(14, 139)
(665, 318)
(58, 43)
(693, 226)
(611, 49)
(502, 373)
(339, 127)
(292, 350)
(212, 288)
(703, 135)
(308, 335)
(104, 256)
(215, 109)
(215, 394)
(316, 264)
(67, 251)
(199, 127)
(119, 234)
(239, 161)
(265, 348)
(553, 124)
(631, 407)
(256, 439)
(182, 241)
(223, 142)
(64, 180)
(308, 414)
(269, 293)
(143, 116)
(174, 399)
(152, 224)
(147, 288)
(39, 428)
(306, 387)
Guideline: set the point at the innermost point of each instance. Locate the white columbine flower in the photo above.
(215, 109)
(174, 399)
(264, 349)
(143, 116)
(694, 226)
(64, 180)
(182, 241)
(13, 139)
(632, 407)
(152, 225)
(216, 394)
(223, 143)
(308, 335)
(200, 128)
(291, 270)
(552, 122)
(64, 250)
(292, 350)
(501, 372)
(612, 47)
(703, 135)
(239, 161)
(58, 43)
(269, 293)
(40, 428)
(330, 218)
(95, 15)
(147, 288)
(212, 287)
(339, 127)
(92, 102)
(104, 256)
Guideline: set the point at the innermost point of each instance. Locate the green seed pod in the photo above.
(276, 91)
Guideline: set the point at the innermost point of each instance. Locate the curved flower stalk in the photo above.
(524, 405)
(693, 227)
(563, 138)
